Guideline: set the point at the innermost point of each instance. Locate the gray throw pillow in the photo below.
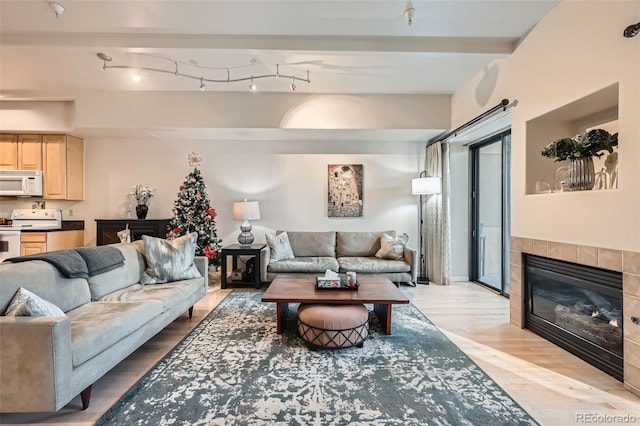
(27, 304)
(280, 247)
(170, 260)
(392, 248)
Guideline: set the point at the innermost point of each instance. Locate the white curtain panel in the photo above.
(437, 232)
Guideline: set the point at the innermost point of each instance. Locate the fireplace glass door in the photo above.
(579, 308)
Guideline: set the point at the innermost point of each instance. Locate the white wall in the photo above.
(577, 49)
(289, 179)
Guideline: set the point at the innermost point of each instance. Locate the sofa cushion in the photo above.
(304, 264)
(121, 277)
(170, 260)
(27, 304)
(372, 265)
(364, 244)
(43, 279)
(392, 248)
(170, 294)
(312, 244)
(279, 246)
(97, 326)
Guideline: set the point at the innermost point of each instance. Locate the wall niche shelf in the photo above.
(597, 110)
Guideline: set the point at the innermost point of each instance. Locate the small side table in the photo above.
(236, 250)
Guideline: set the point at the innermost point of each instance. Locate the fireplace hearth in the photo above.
(577, 307)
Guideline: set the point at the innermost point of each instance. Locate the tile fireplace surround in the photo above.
(626, 262)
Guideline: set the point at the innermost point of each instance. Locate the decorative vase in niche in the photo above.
(141, 211)
(581, 174)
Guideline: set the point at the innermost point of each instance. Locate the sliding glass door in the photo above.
(490, 212)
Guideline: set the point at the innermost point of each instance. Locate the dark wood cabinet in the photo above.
(107, 229)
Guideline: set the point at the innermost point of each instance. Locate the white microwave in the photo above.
(21, 183)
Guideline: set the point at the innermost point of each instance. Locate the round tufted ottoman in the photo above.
(333, 326)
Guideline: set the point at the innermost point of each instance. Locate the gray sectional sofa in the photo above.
(315, 252)
(47, 361)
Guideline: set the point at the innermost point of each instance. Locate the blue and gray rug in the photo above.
(233, 369)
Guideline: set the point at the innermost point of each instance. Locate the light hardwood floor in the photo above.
(552, 385)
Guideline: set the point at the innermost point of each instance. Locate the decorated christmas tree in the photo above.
(192, 211)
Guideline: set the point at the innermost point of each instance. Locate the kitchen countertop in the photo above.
(67, 225)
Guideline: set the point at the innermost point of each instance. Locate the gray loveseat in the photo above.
(45, 362)
(315, 252)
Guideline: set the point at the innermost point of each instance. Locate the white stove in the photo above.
(22, 220)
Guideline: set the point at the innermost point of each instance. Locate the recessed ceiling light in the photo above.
(136, 78)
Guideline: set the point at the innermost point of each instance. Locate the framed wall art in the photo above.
(345, 190)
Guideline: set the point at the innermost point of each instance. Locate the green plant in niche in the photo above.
(588, 144)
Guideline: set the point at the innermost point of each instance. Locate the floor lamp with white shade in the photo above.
(424, 185)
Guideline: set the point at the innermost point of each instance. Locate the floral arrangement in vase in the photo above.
(580, 150)
(142, 194)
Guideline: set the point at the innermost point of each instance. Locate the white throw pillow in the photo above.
(280, 247)
(28, 304)
(392, 248)
(170, 260)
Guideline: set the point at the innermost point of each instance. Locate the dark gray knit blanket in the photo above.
(83, 262)
(101, 259)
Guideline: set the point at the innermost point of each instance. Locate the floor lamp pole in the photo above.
(422, 279)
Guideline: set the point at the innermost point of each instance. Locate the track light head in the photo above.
(293, 85)
(252, 86)
(632, 30)
(203, 86)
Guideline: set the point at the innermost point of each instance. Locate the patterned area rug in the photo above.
(233, 369)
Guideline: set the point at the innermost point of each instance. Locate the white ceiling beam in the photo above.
(475, 45)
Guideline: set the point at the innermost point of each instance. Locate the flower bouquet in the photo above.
(142, 194)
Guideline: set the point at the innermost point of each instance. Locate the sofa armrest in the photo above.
(265, 256)
(411, 257)
(36, 360)
(202, 263)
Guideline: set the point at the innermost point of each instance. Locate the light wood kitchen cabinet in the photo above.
(20, 152)
(8, 151)
(29, 152)
(62, 167)
(41, 242)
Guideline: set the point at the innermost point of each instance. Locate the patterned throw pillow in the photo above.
(392, 248)
(27, 304)
(170, 260)
(280, 247)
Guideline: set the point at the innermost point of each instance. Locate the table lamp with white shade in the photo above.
(245, 211)
(424, 185)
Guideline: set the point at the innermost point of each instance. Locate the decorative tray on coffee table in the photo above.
(335, 284)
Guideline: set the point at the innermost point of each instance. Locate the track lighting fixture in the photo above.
(106, 64)
(632, 30)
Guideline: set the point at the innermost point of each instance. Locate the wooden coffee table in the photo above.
(375, 289)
